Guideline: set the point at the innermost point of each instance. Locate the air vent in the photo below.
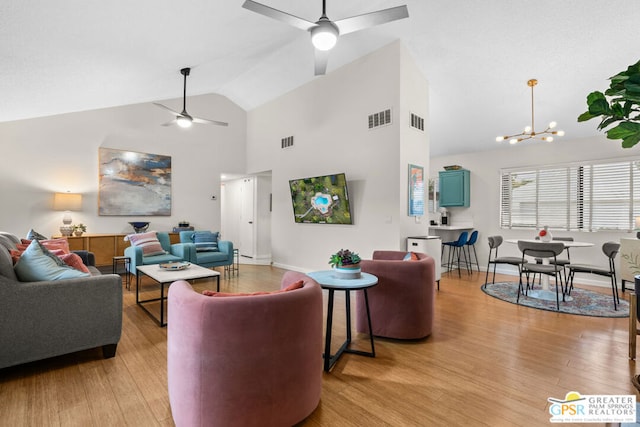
(287, 142)
(380, 119)
(417, 122)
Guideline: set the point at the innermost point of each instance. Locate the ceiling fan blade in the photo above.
(278, 15)
(167, 108)
(367, 20)
(322, 57)
(171, 123)
(209, 122)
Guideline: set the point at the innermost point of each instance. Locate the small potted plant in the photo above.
(346, 264)
(78, 229)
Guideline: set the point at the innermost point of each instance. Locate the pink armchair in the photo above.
(402, 303)
(244, 360)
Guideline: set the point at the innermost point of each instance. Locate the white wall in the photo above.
(231, 203)
(60, 153)
(414, 144)
(263, 219)
(484, 210)
(328, 119)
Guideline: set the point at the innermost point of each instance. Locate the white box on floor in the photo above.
(430, 245)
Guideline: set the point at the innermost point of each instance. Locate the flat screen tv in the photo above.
(321, 199)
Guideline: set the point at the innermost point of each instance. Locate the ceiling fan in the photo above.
(325, 32)
(184, 119)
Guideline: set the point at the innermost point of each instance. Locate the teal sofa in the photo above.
(221, 258)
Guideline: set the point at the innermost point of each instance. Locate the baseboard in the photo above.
(292, 267)
(255, 261)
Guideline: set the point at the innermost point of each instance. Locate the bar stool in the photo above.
(471, 243)
(457, 246)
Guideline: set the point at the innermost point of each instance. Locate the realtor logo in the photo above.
(577, 408)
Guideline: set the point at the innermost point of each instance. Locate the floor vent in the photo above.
(380, 119)
(417, 122)
(287, 142)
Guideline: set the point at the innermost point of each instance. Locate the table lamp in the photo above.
(67, 202)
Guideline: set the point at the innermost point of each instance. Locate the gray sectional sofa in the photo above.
(43, 319)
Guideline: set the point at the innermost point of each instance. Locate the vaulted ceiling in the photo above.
(66, 56)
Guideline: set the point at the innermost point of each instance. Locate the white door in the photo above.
(247, 230)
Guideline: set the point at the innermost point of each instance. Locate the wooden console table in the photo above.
(105, 246)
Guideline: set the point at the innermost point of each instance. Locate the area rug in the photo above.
(585, 302)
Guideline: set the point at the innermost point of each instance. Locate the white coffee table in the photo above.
(165, 277)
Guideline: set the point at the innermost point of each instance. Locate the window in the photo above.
(581, 197)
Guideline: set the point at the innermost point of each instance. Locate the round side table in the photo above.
(330, 282)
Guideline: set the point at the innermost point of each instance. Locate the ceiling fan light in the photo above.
(324, 36)
(499, 138)
(183, 122)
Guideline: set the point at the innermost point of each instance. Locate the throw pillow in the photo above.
(37, 264)
(74, 261)
(206, 241)
(295, 285)
(148, 242)
(410, 256)
(15, 255)
(34, 235)
(236, 294)
(51, 244)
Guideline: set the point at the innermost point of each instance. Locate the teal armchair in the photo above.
(221, 258)
(175, 253)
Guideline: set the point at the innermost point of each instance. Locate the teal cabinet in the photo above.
(454, 188)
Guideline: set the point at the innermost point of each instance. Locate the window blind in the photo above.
(583, 197)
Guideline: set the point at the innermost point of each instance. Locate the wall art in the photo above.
(416, 190)
(132, 183)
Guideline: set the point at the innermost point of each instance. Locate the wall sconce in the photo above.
(67, 202)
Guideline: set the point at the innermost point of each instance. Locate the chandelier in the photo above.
(529, 131)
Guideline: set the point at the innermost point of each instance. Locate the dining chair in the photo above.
(610, 249)
(564, 261)
(457, 247)
(494, 244)
(471, 244)
(560, 261)
(546, 251)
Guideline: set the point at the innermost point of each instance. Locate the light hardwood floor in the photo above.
(487, 362)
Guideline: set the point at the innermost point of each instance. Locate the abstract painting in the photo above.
(134, 183)
(416, 190)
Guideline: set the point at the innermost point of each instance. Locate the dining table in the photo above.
(545, 293)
